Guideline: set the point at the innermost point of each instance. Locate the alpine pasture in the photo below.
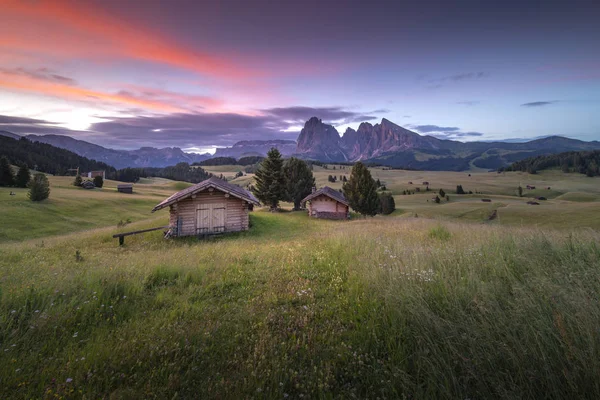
(432, 301)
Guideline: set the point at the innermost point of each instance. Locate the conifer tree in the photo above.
(442, 193)
(270, 184)
(23, 176)
(78, 181)
(6, 175)
(299, 181)
(361, 191)
(39, 188)
(387, 203)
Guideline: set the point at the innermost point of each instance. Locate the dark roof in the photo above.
(213, 182)
(126, 185)
(329, 192)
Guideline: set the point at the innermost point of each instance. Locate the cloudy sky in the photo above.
(200, 74)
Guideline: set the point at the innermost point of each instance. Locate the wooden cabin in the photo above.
(209, 207)
(327, 203)
(125, 188)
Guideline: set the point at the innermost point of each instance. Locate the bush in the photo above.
(440, 232)
(460, 190)
(98, 181)
(387, 205)
(39, 188)
(78, 181)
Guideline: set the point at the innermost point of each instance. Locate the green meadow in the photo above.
(433, 301)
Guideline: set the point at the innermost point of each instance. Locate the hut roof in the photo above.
(211, 182)
(329, 192)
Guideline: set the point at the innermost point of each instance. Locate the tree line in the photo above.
(583, 162)
(39, 187)
(249, 160)
(179, 172)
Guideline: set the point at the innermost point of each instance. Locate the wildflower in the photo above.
(69, 380)
(76, 333)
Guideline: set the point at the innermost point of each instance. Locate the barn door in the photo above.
(218, 218)
(203, 219)
(210, 218)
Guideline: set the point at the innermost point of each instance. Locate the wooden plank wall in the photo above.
(236, 217)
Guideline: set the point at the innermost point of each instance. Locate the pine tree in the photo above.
(270, 184)
(78, 181)
(23, 176)
(437, 199)
(361, 191)
(459, 189)
(98, 181)
(39, 188)
(299, 181)
(442, 193)
(6, 175)
(387, 205)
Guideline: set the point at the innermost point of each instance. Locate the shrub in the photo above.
(442, 193)
(459, 189)
(39, 188)
(98, 181)
(387, 205)
(78, 181)
(440, 232)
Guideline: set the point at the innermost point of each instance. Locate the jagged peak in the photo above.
(313, 121)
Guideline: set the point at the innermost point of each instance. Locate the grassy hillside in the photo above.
(70, 209)
(574, 201)
(382, 307)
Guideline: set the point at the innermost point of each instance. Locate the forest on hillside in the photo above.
(47, 158)
(583, 162)
(56, 161)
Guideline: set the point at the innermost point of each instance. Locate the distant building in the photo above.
(93, 174)
(125, 188)
(327, 203)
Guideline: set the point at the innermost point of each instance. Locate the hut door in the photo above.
(203, 219)
(218, 218)
(210, 218)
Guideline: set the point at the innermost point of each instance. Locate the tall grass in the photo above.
(376, 308)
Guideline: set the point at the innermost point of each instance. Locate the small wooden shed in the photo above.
(327, 203)
(125, 188)
(209, 207)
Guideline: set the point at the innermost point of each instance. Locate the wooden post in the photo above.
(121, 240)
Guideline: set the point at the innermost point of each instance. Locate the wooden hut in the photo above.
(125, 188)
(327, 203)
(209, 207)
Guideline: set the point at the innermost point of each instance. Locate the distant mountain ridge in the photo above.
(389, 144)
(143, 157)
(247, 148)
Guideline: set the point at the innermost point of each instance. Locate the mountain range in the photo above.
(389, 144)
(247, 148)
(384, 143)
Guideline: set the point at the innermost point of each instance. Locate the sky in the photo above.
(205, 74)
